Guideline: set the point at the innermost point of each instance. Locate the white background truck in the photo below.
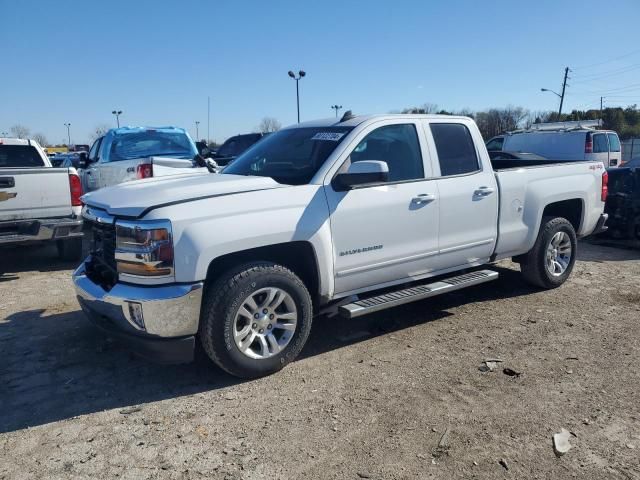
(132, 153)
(358, 215)
(38, 202)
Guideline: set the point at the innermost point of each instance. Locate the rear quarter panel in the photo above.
(525, 192)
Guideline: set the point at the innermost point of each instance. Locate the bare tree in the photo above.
(268, 125)
(99, 131)
(41, 139)
(425, 108)
(20, 131)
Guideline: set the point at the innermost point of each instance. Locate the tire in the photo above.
(70, 250)
(533, 264)
(222, 322)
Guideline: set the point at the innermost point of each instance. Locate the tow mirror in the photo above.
(363, 172)
(83, 161)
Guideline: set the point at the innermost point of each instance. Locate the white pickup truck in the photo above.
(38, 203)
(131, 153)
(357, 214)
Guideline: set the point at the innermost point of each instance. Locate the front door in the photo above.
(386, 232)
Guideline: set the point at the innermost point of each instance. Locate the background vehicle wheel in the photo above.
(550, 262)
(255, 319)
(70, 250)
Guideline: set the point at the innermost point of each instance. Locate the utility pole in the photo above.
(564, 86)
(601, 100)
(208, 119)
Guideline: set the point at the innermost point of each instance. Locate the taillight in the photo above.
(605, 187)
(588, 144)
(75, 185)
(144, 170)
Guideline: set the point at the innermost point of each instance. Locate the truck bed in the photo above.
(526, 186)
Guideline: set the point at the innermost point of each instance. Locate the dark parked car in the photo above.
(623, 201)
(234, 146)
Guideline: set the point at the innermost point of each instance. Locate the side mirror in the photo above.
(361, 173)
(83, 161)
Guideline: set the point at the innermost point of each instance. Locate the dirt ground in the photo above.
(394, 395)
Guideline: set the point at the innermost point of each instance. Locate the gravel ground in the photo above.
(398, 394)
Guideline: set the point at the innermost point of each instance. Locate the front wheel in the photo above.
(255, 319)
(550, 262)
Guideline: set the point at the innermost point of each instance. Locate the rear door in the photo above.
(600, 148)
(28, 189)
(468, 195)
(615, 151)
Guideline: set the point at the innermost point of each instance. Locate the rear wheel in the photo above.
(255, 319)
(550, 262)
(70, 250)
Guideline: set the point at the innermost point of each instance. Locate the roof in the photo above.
(125, 130)
(358, 119)
(14, 141)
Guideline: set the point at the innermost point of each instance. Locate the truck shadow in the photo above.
(32, 258)
(57, 366)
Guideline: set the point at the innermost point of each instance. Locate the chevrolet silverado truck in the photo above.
(38, 203)
(351, 216)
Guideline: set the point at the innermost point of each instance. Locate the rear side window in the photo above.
(614, 142)
(19, 156)
(456, 151)
(600, 144)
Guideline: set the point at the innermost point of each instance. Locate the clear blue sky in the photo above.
(75, 61)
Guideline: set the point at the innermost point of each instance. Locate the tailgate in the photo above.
(27, 193)
(163, 166)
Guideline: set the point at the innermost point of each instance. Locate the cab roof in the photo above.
(358, 119)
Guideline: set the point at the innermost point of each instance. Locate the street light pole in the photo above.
(336, 108)
(197, 133)
(301, 73)
(117, 113)
(68, 125)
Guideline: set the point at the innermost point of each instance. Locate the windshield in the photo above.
(150, 143)
(291, 156)
(19, 156)
(236, 145)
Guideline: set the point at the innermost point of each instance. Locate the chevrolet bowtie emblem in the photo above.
(4, 196)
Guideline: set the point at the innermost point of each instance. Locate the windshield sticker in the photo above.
(330, 136)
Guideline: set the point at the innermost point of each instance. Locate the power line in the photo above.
(608, 61)
(601, 75)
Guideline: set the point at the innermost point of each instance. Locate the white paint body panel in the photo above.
(215, 215)
(39, 193)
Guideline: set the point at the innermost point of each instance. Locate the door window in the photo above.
(93, 153)
(455, 147)
(600, 144)
(614, 142)
(398, 146)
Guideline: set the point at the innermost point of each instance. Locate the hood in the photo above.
(131, 199)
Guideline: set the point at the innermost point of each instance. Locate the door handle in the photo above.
(7, 182)
(423, 198)
(484, 191)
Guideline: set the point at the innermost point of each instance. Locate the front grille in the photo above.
(102, 268)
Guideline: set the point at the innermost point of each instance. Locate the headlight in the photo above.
(144, 249)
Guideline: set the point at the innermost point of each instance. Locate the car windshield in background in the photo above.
(150, 143)
(291, 156)
(19, 156)
(236, 145)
